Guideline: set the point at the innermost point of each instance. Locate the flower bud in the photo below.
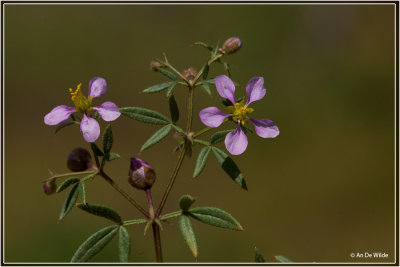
(79, 160)
(154, 65)
(49, 187)
(231, 45)
(190, 73)
(141, 174)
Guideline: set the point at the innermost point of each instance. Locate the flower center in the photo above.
(239, 112)
(82, 103)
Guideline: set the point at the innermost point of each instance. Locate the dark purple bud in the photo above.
(49, 187)
(79, 160)
(190, 73)
(141, 174)
(231, 45)
(154, 65)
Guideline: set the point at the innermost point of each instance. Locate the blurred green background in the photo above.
(322, 189)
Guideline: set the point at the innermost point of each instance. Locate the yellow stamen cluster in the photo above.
(239, 112)
(82, 103)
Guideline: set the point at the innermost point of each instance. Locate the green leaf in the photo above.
(230, 167)
(65, 124)
(107, 139)
(188, 234)
(205, 45)
(218, 137)
(96, 150)
(282, 259)
(102, 211)
(83, 192)
(206, 87)
(111, 156)
(158, 87)
(202, 142)
(124, 244)
(157, 137)
(205, 71)
(171, 88)
(258, 257)
(69, 201)
(167, 73)
(173, 109)
(179, 129)
(94, 244)
(216, 217)
(144, 115)
(186, 201)
(67, 183)
(201, 160)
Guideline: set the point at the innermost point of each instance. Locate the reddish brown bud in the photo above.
(141, 174)
(154, 65)
(49, 187)
(231, 45)
(79, 160)
(190, 73)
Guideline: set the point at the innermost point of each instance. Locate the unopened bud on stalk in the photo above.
(190, 73)
(79, 160)
(154, 65)
(141, 174)
(49, 187)
(231, 45)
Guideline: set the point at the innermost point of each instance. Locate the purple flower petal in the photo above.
(265, 128)
(108, 111)
(90, 129)
(97, 87)
(212, 116)
(255, 89)
(58, 114)
(236, 141)
(225, 87)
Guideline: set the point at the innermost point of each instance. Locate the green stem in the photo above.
(190, 110)
(211, 61)
(171, 215)
(70, 174)
(123, 193)
(135, 221)
(166, 64)
(150, 201)
(202, 131)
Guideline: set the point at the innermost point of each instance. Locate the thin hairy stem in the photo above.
(157, 241)
(211, 61)
(123, 193)
(203, 131)
(54, 176)
(166, 64)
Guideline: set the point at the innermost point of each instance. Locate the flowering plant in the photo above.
(142, 175)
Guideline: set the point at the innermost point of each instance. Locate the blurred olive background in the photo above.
(322, 189)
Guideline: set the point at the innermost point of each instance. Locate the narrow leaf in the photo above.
(258, 257)
(157, 137)
(102, 211)
(173, 109)
(205, 45)
(65, 124)
(230, 167)
(107, 139)
(69, 201)
(94, 244)
(171, 88)
(179, 129)
(205, 71)
(218, 137)
(186, 201)
(158, 87)
(216, 217)
(67, 183)
(206, 87)
(96, 150)
(167, 73)
(111, 156)
(83, 192)
(124, 244)
(188, 234)
(144, 115)
(282, 259)
(202, 142)
(201, 160)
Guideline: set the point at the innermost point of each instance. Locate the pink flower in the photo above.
(90, 128)
(236, 141)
